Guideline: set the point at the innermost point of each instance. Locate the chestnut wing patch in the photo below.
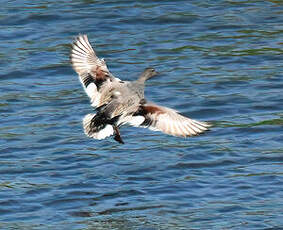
(92, 71)
(170, 121)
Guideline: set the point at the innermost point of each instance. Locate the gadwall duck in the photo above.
(120, 102)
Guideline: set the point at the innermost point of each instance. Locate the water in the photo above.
(221, 62)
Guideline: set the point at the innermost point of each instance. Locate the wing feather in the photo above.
(92, 71)
(170, 121)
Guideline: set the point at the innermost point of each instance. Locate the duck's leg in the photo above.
(117, 136)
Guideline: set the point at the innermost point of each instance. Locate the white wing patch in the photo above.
(94, 95)
(136, 120)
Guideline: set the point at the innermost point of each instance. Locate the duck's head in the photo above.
(147, 73)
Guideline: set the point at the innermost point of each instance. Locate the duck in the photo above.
(117, 102)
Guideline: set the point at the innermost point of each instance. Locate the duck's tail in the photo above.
(97, 127)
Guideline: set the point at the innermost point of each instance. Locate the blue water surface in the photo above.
(221, 61)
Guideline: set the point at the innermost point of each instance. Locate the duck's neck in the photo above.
(144, 76)
(141, 80)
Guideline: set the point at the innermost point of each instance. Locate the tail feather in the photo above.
(95, 129)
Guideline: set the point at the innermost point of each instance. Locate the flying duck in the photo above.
(120, 102)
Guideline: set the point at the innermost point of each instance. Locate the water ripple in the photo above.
(220, 62)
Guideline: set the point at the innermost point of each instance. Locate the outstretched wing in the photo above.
(92, 71)
(169, 121)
